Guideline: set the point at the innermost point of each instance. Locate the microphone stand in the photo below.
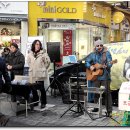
(55, 81)
(78, 103)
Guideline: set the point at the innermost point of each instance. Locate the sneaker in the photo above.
(95, 110)
(43, 106)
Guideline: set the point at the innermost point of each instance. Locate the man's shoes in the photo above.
(32, 107)
(91, 101)
(95, 110)
(36, 104)
(3, 120)
(108, 114)
(43, 106)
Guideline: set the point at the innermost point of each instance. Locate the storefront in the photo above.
(74, 26)
(120, 26)
(13, 24)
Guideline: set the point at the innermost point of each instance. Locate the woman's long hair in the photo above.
(33, 45)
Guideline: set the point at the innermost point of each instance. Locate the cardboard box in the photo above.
(124, 97)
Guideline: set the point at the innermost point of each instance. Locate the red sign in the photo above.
(67, 42)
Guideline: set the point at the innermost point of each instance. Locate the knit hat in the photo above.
(98, 42)
(15, 45)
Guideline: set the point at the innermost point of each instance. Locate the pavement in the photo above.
(51, 116)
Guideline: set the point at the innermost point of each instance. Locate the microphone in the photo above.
(102, 87)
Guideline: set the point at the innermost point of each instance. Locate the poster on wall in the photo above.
(67, 42)
(119, 51)
(5, 41)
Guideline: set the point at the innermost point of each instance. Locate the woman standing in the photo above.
(38, 61)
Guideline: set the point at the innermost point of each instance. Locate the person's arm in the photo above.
(46, 60)
(109, 59)
(88, 61)
(29, 60)
(20, 64)
(5, 74)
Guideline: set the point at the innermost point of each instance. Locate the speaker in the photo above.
(53, 50)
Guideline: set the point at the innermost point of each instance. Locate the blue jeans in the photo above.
(90, 95)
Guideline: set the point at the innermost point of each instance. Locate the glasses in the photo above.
(99, 45)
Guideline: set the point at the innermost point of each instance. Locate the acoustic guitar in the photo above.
(98, 71)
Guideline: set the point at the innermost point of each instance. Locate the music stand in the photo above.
(78, 103)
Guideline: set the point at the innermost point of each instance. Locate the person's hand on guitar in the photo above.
(92, 67)
(104, 66)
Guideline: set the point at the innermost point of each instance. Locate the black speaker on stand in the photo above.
(53, 50)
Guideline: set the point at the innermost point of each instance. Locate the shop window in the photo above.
(10, 29)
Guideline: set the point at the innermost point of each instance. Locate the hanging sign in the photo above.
(67, 42)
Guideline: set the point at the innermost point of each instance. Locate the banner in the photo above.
(67, 42)
(119, 51)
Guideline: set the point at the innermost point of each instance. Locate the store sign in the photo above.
(13, 7)
(10, 19)
(67, 42)
(97, 12)
(63, 26)
(56, 9)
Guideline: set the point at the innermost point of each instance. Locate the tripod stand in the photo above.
(80, 107)
(55, 80)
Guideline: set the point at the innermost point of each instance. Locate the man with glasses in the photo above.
(103, 57)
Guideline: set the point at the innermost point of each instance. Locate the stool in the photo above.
(28, 104)
(94, 90)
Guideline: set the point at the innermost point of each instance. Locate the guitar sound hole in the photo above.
(94, 70)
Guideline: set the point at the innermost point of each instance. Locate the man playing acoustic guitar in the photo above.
(100, 60)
